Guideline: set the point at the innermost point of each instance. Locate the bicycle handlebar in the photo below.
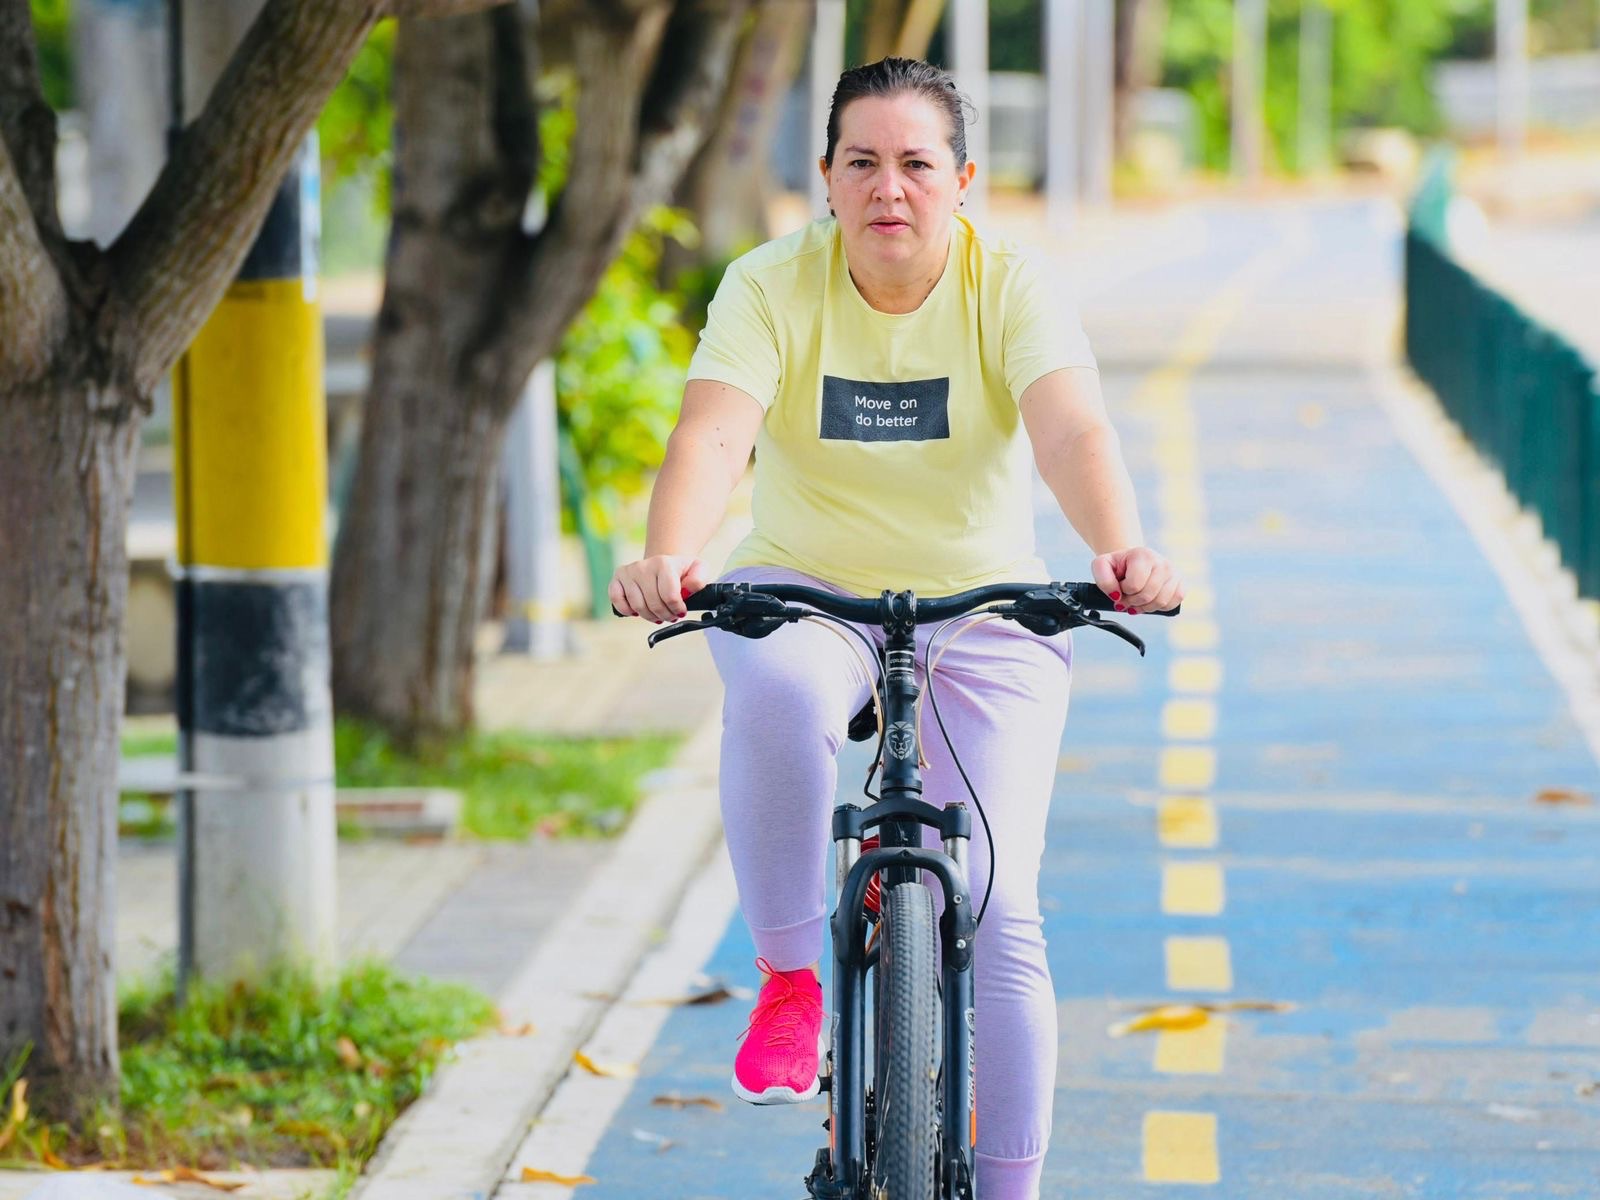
(888, 605)
(755, 610)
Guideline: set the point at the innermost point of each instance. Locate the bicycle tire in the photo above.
(907, 1049)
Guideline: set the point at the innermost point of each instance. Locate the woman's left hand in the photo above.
(1138, 580)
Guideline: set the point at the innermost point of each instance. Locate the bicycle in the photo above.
(909, 1133)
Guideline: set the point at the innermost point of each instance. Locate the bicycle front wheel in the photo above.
(906, 1152)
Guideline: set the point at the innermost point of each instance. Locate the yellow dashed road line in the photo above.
(1194, 634)
(1195, 675)
(1195, 720)
(1187, 823)
(1199, 964)
(1181, 1147)
(1192, 889)
(1188, 768)
(1193, 1051)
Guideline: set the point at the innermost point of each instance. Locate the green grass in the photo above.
(291, 1074)
(149, 743)
(514, 783)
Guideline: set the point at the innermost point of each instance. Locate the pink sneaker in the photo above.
(784, 1041)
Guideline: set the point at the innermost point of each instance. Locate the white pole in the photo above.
(257, 885)
(536, 625)
(969, 28)
(120, 70)
(827, 64)
(1316, 83)
(1099, 81)
(1063, 27)
(1249, 58)
(1511, 77)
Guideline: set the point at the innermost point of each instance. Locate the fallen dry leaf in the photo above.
(1175, 1017)
(534, 1175)
(1167, 1017)
(673, 1100)
(526, 1029)
(19, 1112)
(711, 995)
(347, 1052)
(1562, 796)
(189, 1175)
(48, 1156)
(1247, 1006)
(607, 1070)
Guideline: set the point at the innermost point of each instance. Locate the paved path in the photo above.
(1319, 790)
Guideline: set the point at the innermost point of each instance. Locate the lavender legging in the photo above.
(1003, 695)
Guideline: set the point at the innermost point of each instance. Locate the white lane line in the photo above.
(1564, 630)
(568, 1130)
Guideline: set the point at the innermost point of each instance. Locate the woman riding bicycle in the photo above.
(892, 369)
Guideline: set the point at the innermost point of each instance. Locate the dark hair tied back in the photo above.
(897, 76)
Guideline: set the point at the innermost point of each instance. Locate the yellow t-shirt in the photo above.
(892, 454)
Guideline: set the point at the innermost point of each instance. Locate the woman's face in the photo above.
(894, 184)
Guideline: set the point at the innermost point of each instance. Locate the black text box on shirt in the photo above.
(854, 410)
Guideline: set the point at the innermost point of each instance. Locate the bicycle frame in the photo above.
(899, 816)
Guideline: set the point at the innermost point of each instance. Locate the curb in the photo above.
(1563, 628)
(458, 1140)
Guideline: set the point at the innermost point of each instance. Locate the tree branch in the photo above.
(439, 8)
(548, 277)
(26, 121)
(690, 79)
(187, 241)
(33, 305)
(616, 173)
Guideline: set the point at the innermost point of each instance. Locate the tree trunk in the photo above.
(1140, 27)
(413, 563)
(85, 336)
(472, 303)
(67, 459)
(726, 186)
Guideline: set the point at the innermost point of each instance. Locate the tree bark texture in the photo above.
(68, 463)
(473, 302)
(1140, 27)
(727, 185)
(84, 335)
(411, 571)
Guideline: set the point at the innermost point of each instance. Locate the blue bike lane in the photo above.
(1314, 807)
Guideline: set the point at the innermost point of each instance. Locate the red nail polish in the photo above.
(1121, 609)
(686, 594)
(1115, 596)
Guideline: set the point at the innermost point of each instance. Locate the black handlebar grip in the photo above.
(1092, 597)
(706, 598)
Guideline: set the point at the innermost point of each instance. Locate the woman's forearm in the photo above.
(1091, 483)
(690, 497)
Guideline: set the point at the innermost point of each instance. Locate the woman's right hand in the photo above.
(656, 587)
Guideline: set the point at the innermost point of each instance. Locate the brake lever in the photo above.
(678, 628)
(1090, 617)
(1077, 615)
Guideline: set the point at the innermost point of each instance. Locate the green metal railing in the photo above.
(1524, 396)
